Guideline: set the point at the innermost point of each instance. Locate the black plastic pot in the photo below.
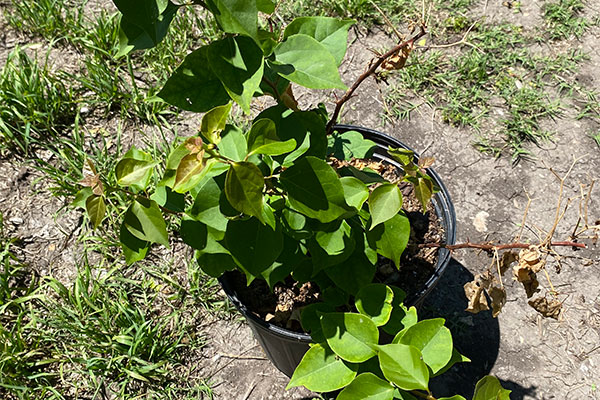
(285, 348)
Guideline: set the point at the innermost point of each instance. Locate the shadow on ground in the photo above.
(477, 336)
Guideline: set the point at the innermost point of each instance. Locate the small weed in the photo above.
(596, 137)
(49, 19)
(35, 104)
(563, 19)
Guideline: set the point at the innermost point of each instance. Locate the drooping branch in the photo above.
(493, 247)
(370, 71)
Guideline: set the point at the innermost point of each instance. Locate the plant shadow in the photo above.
(476, 336)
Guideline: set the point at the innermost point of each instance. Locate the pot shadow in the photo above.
(476, 336)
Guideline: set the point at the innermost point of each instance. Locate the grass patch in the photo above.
(35, 103)
(563, 19)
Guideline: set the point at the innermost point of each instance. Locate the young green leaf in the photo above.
(489, 388)
(243, 187)
(134, 249)
(305, 61)
(423, 186)
(332, 33)
(402, 365)
(384, 203)
(367, 386)
(333, 240)
(263, 139)
(131, 172)
(181, 89)
(213, 123)
(265, 6)
(233, 144)
(238, 63)
(455, 397)
(391, 237)
(152, 226)
(403, 156)
(456, 358)
(206, 207)
(434, 341)
(96, 209)
(375, 301)
(322, 371)
(351, 336)
(355, 192)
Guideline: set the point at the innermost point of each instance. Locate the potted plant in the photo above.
(295, 200)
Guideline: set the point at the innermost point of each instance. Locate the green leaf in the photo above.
(315, 190)
(206, 207)
(349, 145)
(355, 192)
(403, 366)
(189, 167)
(332, 33)
(375, 301)
(351, 336)
(236, 16)
(265, 6)
(213, 123)
(167, 198)
(455, 397)
(181, 89)
(131, 172)
(233, 144)
(367, 386)
(384, 203)
(423, 186)
(134, 248)
(310, 319)
(305, 61)
(96, 209)
(263, 139)
(489, 388)
(149, 224)
(238, 63)
(403, 156)
(81, 197)
(143, 24)
(211, 168)
(254, 245)
(391, 237)
(399, 312)
(321, 371)
(456, 358)
(333, 240)
(243, 187)
(354, 273)
(434, 341)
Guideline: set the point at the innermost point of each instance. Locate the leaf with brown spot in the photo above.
(426, 162)
(498, 296)
(194, 144)
(552, 308)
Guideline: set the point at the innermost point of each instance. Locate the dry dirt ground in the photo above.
(537, 358)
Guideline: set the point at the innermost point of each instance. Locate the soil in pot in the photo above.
(282, 306)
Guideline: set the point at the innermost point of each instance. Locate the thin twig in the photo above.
(370, 71)
(387, 20)
(495, 247)
(524, 216)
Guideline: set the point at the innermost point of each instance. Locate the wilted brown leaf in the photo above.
(426, 162)
(508, 257)
(398, 60)
(498, 296)
(527, 277)
(194, 144)
(552, 308)
(91, 178)
(531, 258)
(475, 292)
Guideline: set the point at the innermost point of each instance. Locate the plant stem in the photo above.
(492, 247)
(370, 71)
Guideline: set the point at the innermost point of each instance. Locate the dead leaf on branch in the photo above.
(398, 60)
(475, 292)
(498, 296)
(508, 257)
(91, 178)
(552, 308)
(532, 259)
(528, 278)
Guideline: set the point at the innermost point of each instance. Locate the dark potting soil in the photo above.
(282, 305)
